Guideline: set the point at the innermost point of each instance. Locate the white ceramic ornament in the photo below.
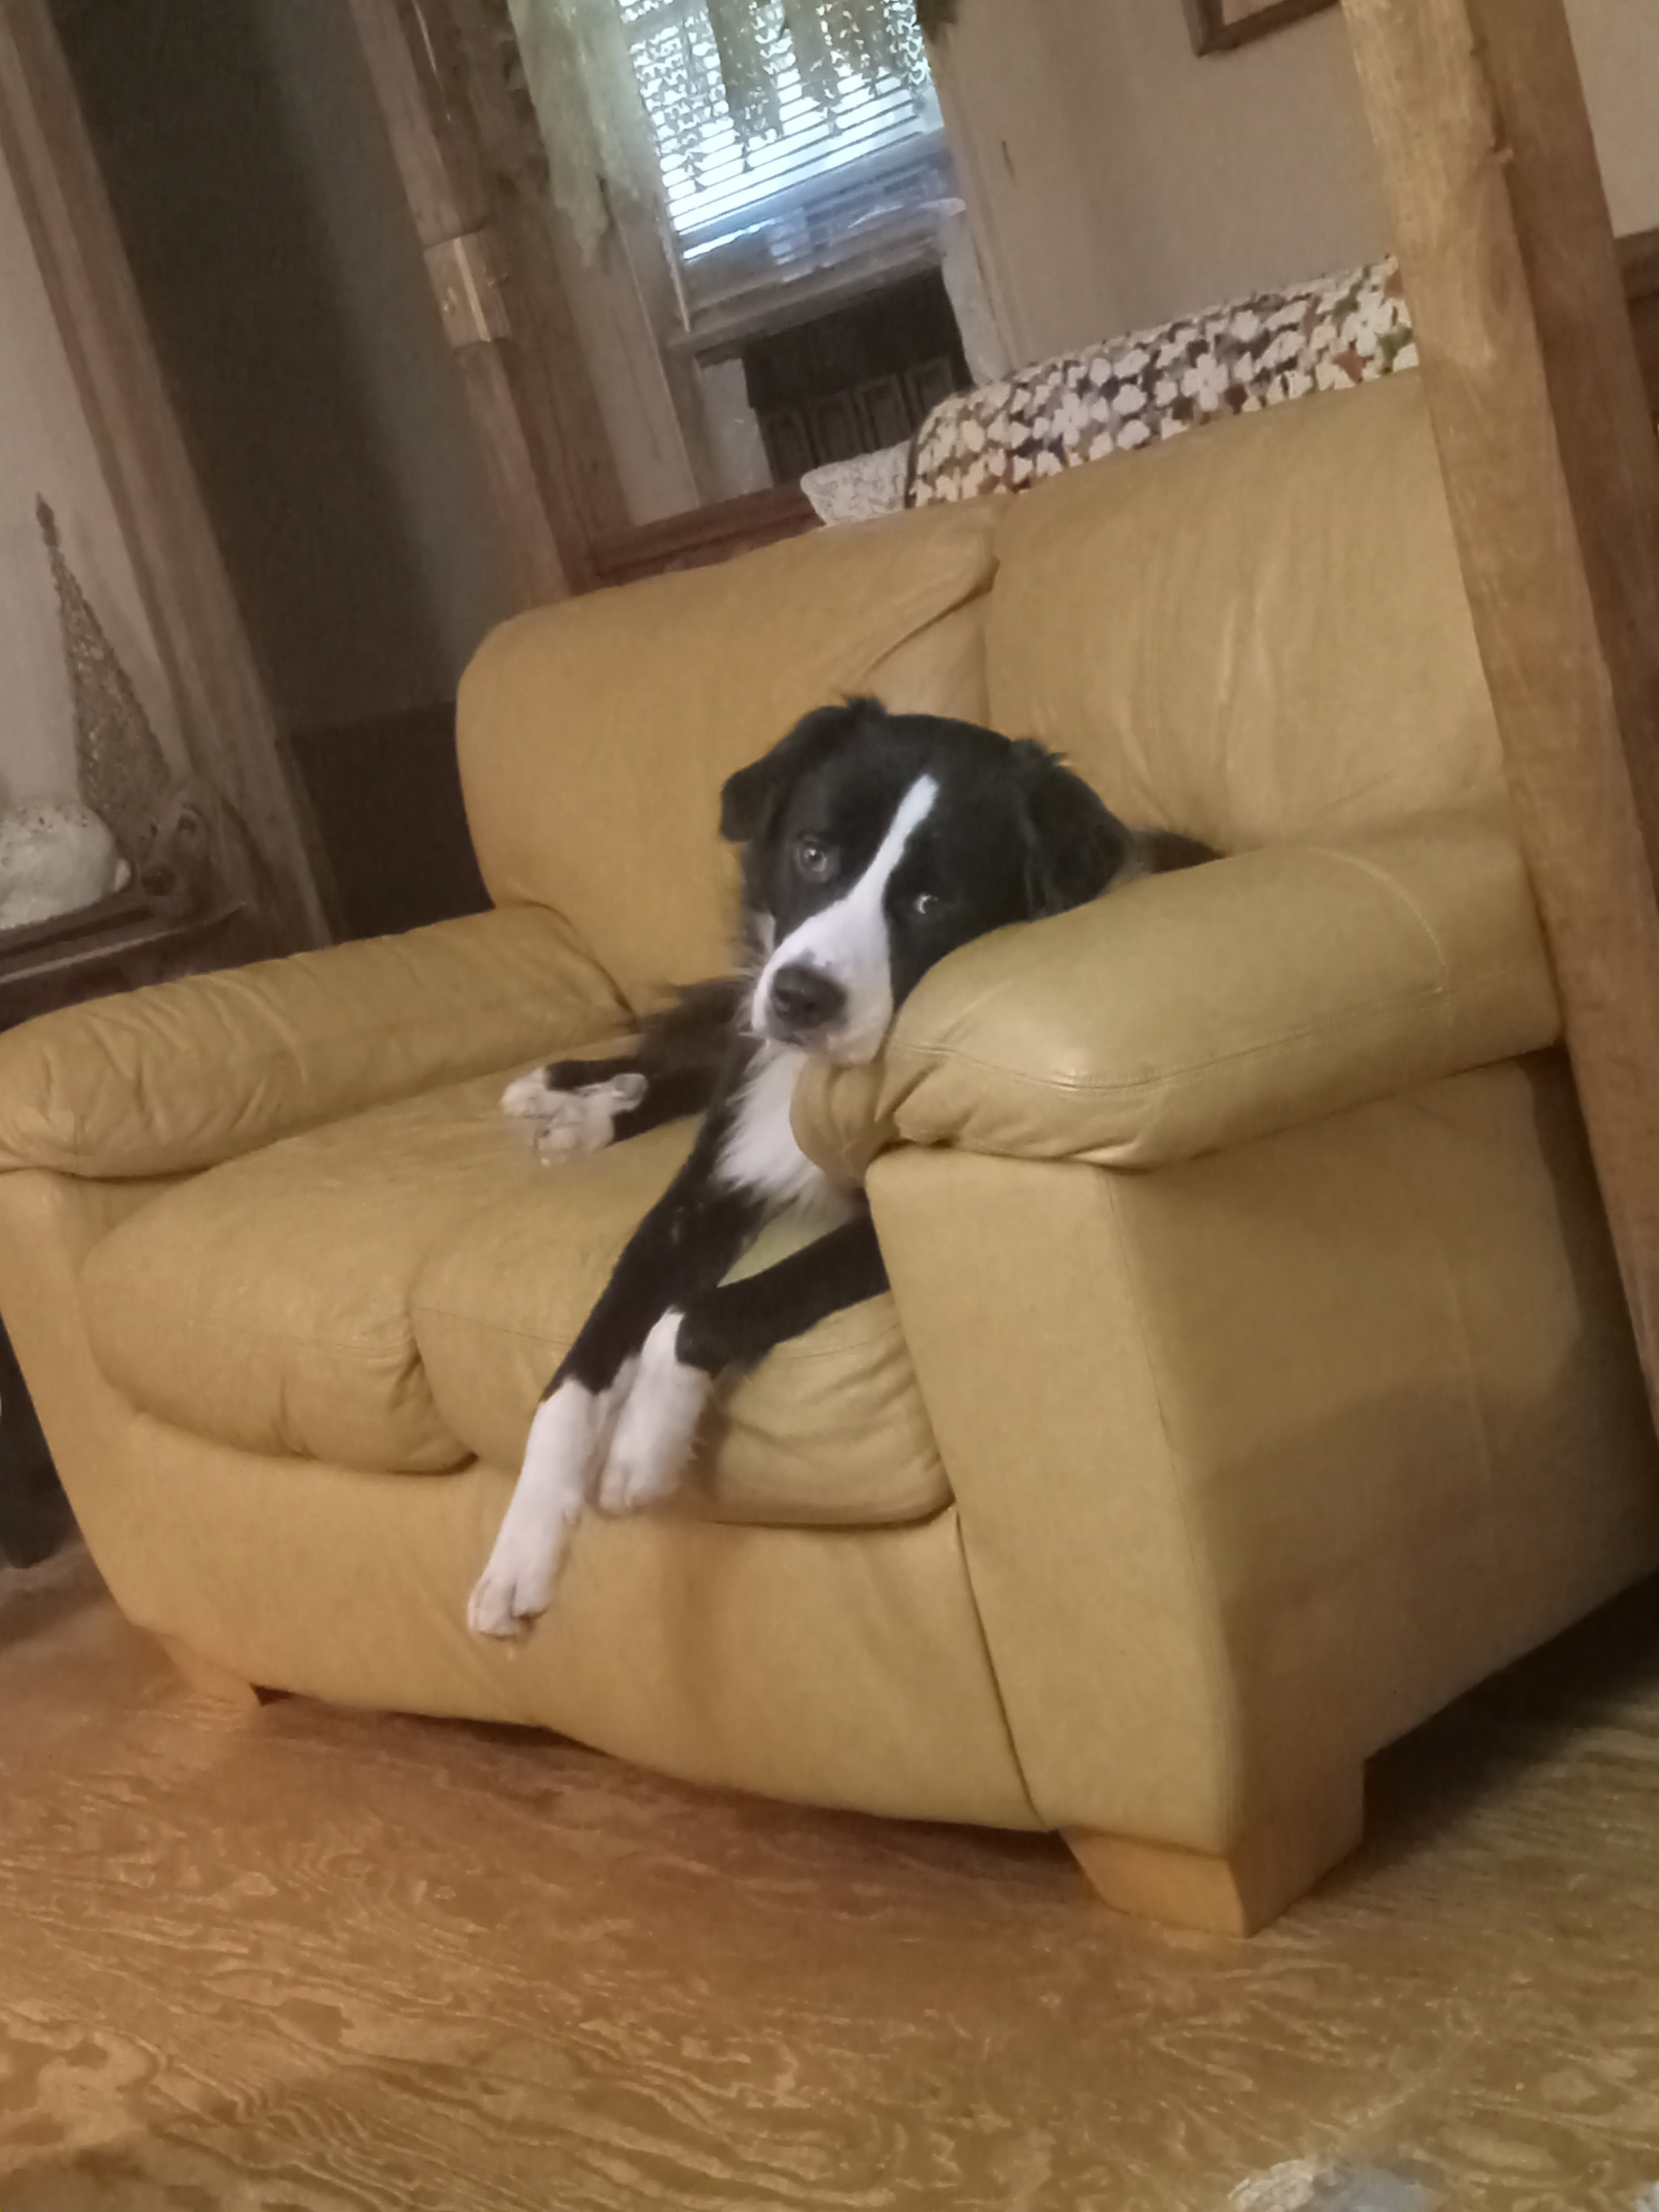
(54, 859)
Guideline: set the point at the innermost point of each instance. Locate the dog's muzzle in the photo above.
(801, 1004)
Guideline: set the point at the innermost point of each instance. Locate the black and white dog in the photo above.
(873, 845)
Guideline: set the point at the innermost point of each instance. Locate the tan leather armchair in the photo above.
(1255, 1376)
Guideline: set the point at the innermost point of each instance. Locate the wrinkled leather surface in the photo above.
(595, 735)
(843, 1667)
(392, 1293)
(183, 1074)
(828, 1431)
(1262, 1457)
(1190, 1012)
(1257, 637)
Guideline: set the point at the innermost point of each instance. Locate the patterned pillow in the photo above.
(1256, 353)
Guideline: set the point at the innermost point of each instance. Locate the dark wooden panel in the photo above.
(705, 534)
(856, 378)
(119, 944)
(386, 795)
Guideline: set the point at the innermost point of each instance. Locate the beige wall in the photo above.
(46, 449)
(1117, 180)
(1618, 43)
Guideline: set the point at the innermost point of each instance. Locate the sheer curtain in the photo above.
(578, 66)
(766, 138)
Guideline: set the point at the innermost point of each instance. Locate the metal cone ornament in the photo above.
(124, 773)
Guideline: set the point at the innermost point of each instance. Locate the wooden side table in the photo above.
(112, 946)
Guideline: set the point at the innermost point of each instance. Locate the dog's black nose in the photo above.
(804, 1000)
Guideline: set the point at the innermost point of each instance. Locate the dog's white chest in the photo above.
(760, 1153)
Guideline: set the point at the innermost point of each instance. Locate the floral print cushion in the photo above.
(1256, 353)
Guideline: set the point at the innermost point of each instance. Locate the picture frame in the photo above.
(1219, 26)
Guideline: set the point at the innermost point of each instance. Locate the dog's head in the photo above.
(876, 843)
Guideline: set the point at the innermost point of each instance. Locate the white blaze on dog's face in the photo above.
(832, 976)
(875, 844)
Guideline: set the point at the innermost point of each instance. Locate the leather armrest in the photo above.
(1188, 1012)
(181, 1075)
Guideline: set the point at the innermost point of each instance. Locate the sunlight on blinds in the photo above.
(881, 132)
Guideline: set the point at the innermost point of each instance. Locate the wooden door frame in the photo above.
(480, 218)
(228, 727)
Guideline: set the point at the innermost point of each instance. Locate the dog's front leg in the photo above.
(567, 1439)
(684, 1053)
(730, 1325)
(688, 1239)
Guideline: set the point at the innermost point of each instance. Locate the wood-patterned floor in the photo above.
(322, 1961)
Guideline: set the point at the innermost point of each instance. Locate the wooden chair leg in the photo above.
(207, 1681)
(1273, 1864)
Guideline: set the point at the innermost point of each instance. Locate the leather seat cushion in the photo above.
(828, 1430)
(265, 1304)
(392, 1294)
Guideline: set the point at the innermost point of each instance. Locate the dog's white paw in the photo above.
(560, 1122)
(516, 1585)
(658, 1425)
(565, 1440)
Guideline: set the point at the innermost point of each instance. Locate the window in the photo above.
(857, 182)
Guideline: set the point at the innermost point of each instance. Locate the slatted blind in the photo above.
(881, 133)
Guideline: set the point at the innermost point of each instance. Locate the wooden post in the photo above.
(541, 434)
(1551, 469)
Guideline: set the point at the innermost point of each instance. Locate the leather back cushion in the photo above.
(1256, 634)
(595, 735)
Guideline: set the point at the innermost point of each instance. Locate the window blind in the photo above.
(825, 185)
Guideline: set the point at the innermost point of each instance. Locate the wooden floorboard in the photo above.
(325, 1961)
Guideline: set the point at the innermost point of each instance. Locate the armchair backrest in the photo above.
(595, 735)
(1255, 633)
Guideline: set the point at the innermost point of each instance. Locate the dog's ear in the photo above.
(751, 796)
(1074, 845)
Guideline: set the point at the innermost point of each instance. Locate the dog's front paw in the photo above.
(514, 1588)
(561, 1122)
(658, 1425)
(565, 1439)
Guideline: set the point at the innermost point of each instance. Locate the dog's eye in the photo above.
(814, 859)
(924, 903)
